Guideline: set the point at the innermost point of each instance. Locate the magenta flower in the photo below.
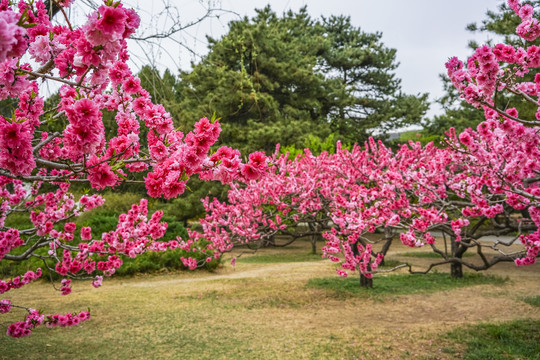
(40, 49)
(112, 21)
(86, 233)
(16, 147)
(12, 36)
(5, 306)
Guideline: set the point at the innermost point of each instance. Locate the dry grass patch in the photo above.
(261, 311)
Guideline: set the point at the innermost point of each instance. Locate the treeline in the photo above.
(300, 82)
(304, 82)
(290, 79)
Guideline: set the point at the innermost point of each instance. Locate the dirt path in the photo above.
(296, 270)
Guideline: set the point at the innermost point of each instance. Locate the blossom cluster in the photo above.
(19, 281)
(90, 62)
(360, 259)
(9, 239)
(497, 68)
(35, 318)
(413, 189)
(503, 149)
(90, 59)
(12, 36)
(529, 29)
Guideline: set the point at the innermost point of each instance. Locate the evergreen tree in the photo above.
(366, 93)
(278, 79)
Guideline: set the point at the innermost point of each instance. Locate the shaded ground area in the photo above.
(266, 311)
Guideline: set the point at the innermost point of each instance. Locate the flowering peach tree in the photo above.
(484, 182)
(417, 190)
(500, 157)
(89, 62)
(483, 176)
(291, 193)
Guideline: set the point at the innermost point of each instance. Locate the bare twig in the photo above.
(45, 76)
(45, 142)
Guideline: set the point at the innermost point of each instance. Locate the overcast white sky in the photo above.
(424, 32)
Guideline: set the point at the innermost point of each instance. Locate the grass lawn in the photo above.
(518, 339)
(533, 300)
(429, 254)
(402, 284)
(281, 310)
(283, 257)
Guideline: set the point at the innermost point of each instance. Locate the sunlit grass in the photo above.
(402, 284)
(283, 257)
(428, 254)
(533, 300)
(519, 339)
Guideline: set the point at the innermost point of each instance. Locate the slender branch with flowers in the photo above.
(90, 62)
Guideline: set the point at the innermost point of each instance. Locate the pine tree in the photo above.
(278, 79)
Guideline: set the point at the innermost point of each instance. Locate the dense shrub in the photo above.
(105, 219)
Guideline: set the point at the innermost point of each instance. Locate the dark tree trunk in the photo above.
(456, 268)
(314, 227)
(388, 237)
(268, 242)
(314, 243)
(366, 282)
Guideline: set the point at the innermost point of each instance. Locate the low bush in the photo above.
(105, 219)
